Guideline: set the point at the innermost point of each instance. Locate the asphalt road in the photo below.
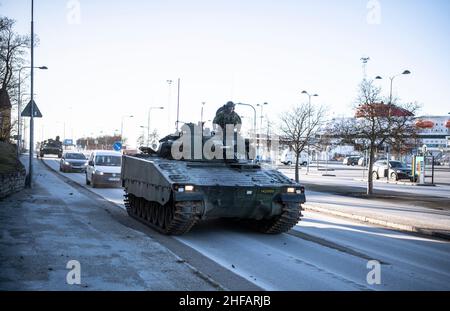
(321, 253)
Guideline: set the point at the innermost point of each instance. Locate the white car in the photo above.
(104, 168)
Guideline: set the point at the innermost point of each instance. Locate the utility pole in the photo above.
(30, 165)
(405, 72)
(309, 127)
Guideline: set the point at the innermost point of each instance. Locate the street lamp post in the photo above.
(254, 114)
(405, 72)
(148, 123)
(201, 117)
(19, 102)
(121, 126)
(254, 117)
(260, 128)
(309, 125)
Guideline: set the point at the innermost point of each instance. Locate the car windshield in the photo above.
(108, 160)
(396, 164)
(75, 156)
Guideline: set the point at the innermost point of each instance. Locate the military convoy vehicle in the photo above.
(51, 146)
(173, 194)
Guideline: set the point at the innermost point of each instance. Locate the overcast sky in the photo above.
(113, 58)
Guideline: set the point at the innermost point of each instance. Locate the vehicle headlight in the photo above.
(98, 172)
(398, 171)
(290, 190)
(66, 163)
(189, 188)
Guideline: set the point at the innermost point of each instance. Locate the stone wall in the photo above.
(11, 183)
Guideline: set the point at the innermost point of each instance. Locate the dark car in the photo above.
(351, 160)
(73, 162)
(397, 170)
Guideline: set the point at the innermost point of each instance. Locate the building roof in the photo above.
(381, 110)
(5, 102)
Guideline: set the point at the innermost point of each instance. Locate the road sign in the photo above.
(117, 146)
(27, 111)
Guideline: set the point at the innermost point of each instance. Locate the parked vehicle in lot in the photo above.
(73, 162)
(104, 168)
(288, 158)
(397, 170)
(351, 160)
(362, 161)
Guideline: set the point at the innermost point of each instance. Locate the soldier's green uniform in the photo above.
(226, 115)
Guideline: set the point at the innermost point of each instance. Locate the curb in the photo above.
(383, 223)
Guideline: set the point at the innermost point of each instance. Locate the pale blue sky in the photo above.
(117, 59)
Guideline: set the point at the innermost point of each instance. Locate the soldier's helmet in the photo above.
(230, 105)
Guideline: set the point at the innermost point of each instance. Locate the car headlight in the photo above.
(98, 172)
(290, 190)
(186, 188)
(66, 163)
(189, 188)
(398, 171)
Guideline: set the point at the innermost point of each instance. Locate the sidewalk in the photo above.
(411, 218)
(43, 228)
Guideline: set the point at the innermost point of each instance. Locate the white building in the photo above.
(434, 131)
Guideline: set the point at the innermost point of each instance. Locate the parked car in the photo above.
(104, 168)
(73, 162)
(397, 170)
(351, 160)
(362, 161)
(288, 158)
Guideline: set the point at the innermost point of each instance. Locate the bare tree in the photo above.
(299, 126)
(376, 124)
(13, 49)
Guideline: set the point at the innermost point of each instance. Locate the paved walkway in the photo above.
(407, 217)
(42, 229)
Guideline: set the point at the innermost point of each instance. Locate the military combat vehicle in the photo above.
(173, 194)
(51, 146)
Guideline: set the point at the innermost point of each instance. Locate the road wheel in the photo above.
(87, 181)
(375, 175)
(394, 176)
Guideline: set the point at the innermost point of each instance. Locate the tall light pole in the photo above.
(201, 114)
(254, 115)
(19, 102)
(405, 72)
(30, 163)
(260, 127)
(309, 126)
(148, 123)
(121, 126)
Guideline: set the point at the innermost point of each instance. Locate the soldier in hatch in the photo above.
(226, 115)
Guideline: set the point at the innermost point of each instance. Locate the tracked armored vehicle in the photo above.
(172, 195)
(51, 146)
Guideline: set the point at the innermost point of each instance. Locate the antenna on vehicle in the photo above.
(178, 104)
